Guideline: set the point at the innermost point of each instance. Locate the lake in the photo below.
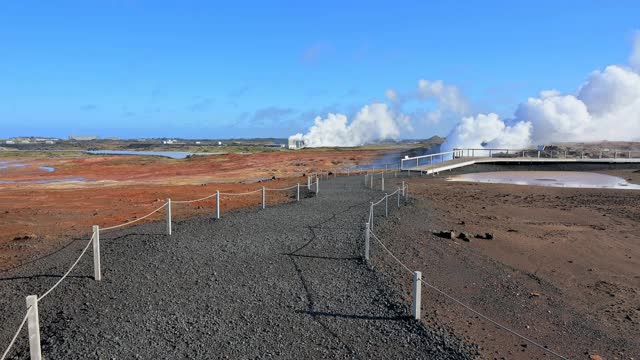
(570, 179)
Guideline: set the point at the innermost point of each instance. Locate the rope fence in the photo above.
(31, 316)
(418, 282)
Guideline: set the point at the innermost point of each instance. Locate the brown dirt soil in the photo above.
(563, 267)
(36, 219)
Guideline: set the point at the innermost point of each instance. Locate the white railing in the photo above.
(417, 161)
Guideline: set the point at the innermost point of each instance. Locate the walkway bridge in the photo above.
(457, 158)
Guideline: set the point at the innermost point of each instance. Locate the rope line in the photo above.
(15, 336)
(390, 253)
(513, 332)
(239, 194)
(192, 201)
(68, 271)
(289, 188)
(134, 221)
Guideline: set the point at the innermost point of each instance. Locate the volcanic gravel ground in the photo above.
(285, 282)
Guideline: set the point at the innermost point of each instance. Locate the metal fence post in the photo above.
(382, 181)
(386, 205)
(218, 204)
(97, 272)
(317, 185)
(309, 183)
(298, 192)
(366, 241)
(168, 216)
(417, 294)
(398, 193)
(406, 194)
(365, 179)
(263, 197)
(372, 175)
(403, 189)
(33, 324)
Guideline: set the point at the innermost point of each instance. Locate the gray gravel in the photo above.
(285, 282)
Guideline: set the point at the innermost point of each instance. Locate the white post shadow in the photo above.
(298, 192)
(217, 204)
(97, 272)
(386, 205)
(417, 294)
(263, 197)
(366, 241)
(168, 216)
(33, 324)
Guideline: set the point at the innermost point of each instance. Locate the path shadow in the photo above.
(353, 316)
(45, 276)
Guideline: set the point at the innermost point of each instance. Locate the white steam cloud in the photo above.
(605, 107)
(373, 122)
(378, 121)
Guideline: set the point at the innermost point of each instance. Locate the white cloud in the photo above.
(392, 95)
(448, 96)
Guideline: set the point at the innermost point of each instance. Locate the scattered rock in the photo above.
(534, 294)
(447, 234)
(461, 223)
(464, 237)
(25, 237)
(595, 357)
(486, 236)
(512, 230)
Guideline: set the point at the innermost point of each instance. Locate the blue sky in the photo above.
(203, 69)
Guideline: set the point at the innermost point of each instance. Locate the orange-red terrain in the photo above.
(37, 218)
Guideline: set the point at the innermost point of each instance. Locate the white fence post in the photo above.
(309, 183)
(263, 197)
(168, 216)
(33, 324)
(398, 193)
(298, 192)
(366, 241)
(371, 212)
(386, 205)
(97, 272)
(406, 194)
(417, 294)
(372, 176)
(317, 185)
(403, 189)
(382, 181)
(218, 204)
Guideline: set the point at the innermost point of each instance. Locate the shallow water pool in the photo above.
(570, 179)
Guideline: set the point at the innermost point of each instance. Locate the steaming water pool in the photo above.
(570, 179)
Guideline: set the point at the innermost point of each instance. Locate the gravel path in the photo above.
(285, 282)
